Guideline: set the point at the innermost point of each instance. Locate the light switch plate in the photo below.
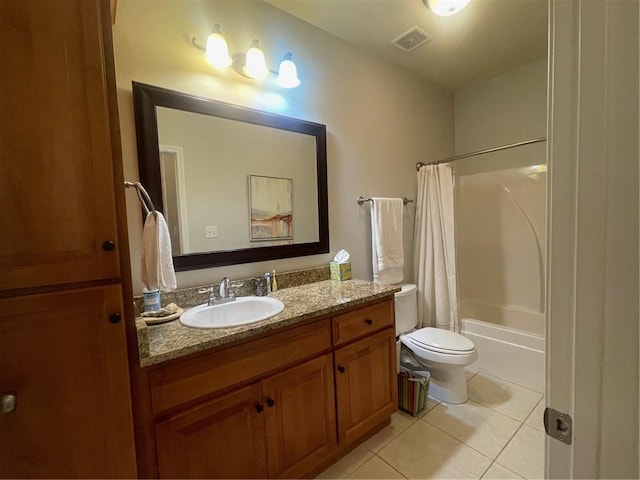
(211, 232)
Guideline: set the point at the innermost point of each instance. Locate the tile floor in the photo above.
(498, 433)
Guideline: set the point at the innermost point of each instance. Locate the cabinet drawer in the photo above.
(361, 322)
(178, 383)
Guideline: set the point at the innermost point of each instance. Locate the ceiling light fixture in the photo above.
(445, 8)
(250, 65)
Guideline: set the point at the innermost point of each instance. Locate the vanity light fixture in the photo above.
(445, 8)
(288, 77)
(250, 65)
(217, 52)
(255, 65)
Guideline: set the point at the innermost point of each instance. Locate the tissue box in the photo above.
(340, 271)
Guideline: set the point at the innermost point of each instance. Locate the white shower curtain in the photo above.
(434, 268)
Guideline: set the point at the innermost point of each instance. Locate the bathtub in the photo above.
(506, 353)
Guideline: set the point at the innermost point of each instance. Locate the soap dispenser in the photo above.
(274, 282)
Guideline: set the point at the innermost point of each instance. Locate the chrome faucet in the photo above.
(225, 289)
(226, 295)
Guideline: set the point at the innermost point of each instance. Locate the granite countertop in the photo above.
(158, 343)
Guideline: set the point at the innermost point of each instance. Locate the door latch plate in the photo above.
(558, 425)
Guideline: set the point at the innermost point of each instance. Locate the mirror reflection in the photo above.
(235, 185)
(227, 185)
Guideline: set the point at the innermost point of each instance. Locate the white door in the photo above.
(592, 317)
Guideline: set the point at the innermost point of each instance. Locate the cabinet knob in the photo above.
(8, 403)
(271, 402)
(259, 408)
(115, 317)
(341, 369)
(368, 321)
(109, 246)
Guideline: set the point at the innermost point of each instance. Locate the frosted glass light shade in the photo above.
(217, 53)
(288, 73)
(445, 8)
(255, 65)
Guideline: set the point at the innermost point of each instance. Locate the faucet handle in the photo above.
(206, 290)
(261, 286)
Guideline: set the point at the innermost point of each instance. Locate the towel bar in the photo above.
(361, 200)
(144, 197)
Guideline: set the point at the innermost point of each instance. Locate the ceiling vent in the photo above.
(412, 39)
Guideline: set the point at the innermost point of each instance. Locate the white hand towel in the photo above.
(156, 262)
(386, 240)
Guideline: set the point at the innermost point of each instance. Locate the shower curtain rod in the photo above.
(419, 165)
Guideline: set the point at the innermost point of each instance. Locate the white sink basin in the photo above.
(242, 311)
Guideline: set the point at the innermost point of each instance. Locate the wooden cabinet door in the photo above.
(220, 438)
(366, 390)
(300, 418)
(66, 364)
(56, 171)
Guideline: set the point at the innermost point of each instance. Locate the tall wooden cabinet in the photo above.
(65, 406)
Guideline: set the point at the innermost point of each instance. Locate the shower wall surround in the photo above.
(501, 247)
(501, 199)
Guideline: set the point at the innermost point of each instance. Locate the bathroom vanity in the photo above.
(280, 398)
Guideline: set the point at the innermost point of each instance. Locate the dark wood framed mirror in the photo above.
(235, 185)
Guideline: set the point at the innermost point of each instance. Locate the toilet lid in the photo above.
(442, 341)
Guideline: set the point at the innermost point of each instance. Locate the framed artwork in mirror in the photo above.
(271, 208)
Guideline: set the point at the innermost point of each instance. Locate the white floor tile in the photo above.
(423, 451)
(524, 454)
(475, 425)
(507, 398)
(498, 472)
(400, 421)
(535, 420)
(375, 467)
(348, 464)
(431, 404)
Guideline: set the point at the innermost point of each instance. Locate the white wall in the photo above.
(380, 119)
(506, 109)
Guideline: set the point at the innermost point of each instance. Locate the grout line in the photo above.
(515, 473)
(509, 382)
(495, 462)
(459, 441)
(534, 409)
(507, 444)
(521, 422)
(488, 468)
(395, 469)
(392, 438)
(506, 414)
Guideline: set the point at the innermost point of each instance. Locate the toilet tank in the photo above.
(406, 309)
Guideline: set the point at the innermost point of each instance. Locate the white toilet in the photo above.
(443, 353)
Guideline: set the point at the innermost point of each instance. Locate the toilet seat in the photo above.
(441, 341)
